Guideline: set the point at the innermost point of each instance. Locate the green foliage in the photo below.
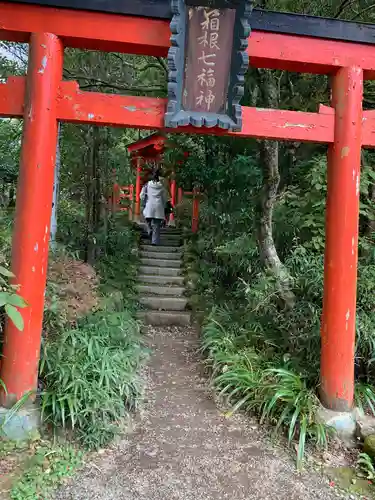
(91, 376)
(71, 225)
(10, 301)
(118, 266)
(250, 382)
(10, 145)
(44, 470)
(265, 358)
(6, 224)
(365, 466)
(256, 347)
(364, 397)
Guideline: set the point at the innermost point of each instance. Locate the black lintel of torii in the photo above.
(275, 22)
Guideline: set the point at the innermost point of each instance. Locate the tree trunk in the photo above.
(53, 229)
(371, 224)
(370, 231)
(107, 184)
(269, 161)
(93, 194)
(12, 196)
(367, 222)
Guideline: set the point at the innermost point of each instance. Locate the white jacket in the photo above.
(156, 200)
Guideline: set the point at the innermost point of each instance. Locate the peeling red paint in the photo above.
(43, 65)
(300, 125)
(345, 151)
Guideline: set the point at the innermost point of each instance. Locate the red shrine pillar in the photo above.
(341, 252)
(173, 198)
(195, 212)
(19, 368)
(138, 188)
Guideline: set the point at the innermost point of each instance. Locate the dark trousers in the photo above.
(154, 230)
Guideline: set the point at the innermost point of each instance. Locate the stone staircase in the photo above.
(160, 281)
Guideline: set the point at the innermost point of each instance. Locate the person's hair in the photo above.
(156, 175)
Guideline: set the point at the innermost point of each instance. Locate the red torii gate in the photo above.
(42, 99)
(147, 149)
(150, 149)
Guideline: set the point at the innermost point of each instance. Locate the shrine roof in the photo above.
(150, 146)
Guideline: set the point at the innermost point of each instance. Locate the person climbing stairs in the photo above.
(160, 281)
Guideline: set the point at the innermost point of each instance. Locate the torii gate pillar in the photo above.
(341, 253)
(19, 368)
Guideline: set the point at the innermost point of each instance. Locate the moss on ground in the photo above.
(346, 479)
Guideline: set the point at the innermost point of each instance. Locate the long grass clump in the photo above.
(251, 382)
(91, 376)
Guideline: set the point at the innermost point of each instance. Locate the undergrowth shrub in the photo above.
(91, 376)
(6, 225)
(118, 267)
(249, 380)
(72, 224)
(265, 359)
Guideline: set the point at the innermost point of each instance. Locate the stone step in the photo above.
(165, 318)
(160, 255)
(142, 226)
(161, 249)
(171, 290)
(161, 280)
(163, 243)
(161, 263)
(164, 303)
(160, 271)
(170, 230)
(164, 236)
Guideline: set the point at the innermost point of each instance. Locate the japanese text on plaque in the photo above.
(207, 64)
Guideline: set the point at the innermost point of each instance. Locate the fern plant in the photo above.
(365, 466)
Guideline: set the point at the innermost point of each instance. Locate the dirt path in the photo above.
(182, 448)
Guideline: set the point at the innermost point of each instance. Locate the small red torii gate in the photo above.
(42, 99)
(148, 149)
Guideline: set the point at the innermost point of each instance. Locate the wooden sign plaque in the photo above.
(207, 63)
